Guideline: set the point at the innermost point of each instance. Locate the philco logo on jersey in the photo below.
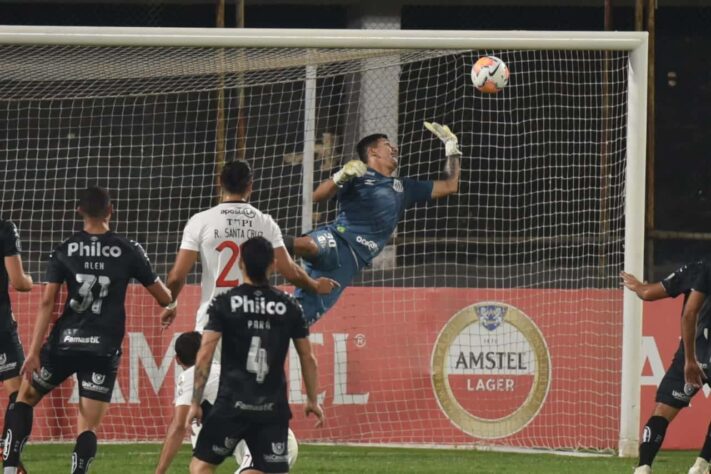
(485, 351)
(257, 305)
(94, 249)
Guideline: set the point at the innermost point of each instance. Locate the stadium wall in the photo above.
(385, 359)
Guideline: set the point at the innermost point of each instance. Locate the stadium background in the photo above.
(681, 198)
(681, 136)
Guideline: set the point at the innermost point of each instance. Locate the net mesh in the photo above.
(537, 224)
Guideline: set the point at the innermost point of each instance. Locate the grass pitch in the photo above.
(141, 458)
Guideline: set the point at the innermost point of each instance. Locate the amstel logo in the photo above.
(491, 370)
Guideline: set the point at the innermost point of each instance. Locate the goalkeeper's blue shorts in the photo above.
(335, 260)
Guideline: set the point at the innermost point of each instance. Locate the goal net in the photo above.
(493, 317)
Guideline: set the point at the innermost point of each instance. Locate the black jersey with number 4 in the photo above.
(9, 246)
(97, 270)
(257, 323)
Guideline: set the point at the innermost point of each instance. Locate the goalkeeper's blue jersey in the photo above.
(370, 207)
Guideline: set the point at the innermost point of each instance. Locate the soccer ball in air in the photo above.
(490, 74)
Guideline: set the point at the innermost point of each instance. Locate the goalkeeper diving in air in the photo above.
(370, 203)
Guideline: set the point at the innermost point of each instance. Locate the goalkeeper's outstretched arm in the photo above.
(452, 167)
(449, 185)
(328, 188)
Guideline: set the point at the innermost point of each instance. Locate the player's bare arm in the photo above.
(44, 315)
(160, 293)
(173, 439)
(177, 277)
(309, 371)
(203, 363)
(452, 167)
(18, 278)
(693, 373)
(297, 276)
(645, 291)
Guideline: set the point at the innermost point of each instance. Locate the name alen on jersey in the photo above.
(94, 249)
(258, 305)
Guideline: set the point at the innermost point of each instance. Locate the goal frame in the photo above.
(634, 42)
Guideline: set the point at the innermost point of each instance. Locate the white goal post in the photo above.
(506, 254)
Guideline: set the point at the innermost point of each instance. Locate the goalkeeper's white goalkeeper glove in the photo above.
(448, 138)
(352, 169)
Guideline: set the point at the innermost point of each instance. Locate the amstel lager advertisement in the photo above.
(426, 366)
(490, 370)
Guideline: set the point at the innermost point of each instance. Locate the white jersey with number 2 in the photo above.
(217, 234)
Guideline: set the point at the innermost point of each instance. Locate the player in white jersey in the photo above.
(186, 348)
(215, 235)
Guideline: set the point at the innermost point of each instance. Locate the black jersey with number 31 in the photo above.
(257, 323)
(9, 246)
(97, 270)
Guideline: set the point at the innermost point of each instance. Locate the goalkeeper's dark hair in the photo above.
(94, 202)
(367, 142)
(187, 346)
(236, 177)
(257, 254)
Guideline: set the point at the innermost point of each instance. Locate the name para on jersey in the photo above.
(257, 305)
(94, 249)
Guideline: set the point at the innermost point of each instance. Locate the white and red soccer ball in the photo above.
(490, 74)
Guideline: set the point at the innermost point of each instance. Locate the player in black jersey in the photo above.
(11, 354)
(97, 266)
(691, 365)
(256, 322)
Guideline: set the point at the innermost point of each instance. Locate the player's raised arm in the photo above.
(452, 167)
(328, 188)
(645, 291)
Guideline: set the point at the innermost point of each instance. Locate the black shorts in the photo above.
(96, 375)
(671, 390)
(11, 354)
(267, 442)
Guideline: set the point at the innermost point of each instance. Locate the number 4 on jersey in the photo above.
(257, 359)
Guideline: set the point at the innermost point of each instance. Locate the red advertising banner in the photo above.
(420, 365)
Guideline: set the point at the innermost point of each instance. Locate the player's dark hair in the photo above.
(187, 346)
(236, 176)
(95, 202)
(257, 254)
(367, 142)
